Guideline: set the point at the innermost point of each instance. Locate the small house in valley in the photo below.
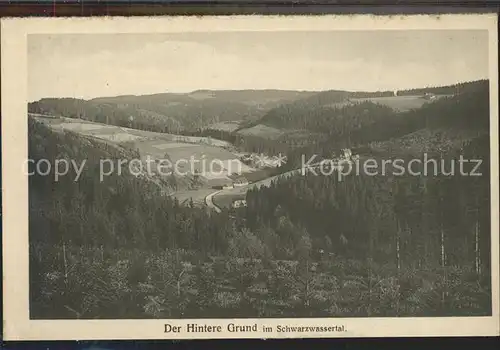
(240, 181)
(239, 203)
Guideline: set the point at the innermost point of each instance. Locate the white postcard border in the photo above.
(18, 326)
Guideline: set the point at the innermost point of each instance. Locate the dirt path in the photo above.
(210, 203)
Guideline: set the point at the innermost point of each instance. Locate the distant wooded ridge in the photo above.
(176, 112)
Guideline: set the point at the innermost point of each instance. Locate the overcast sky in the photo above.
(94, 65)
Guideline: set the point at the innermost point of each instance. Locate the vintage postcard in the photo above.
(250, 177)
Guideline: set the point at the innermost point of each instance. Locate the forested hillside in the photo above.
(303, 122)
(305, 247)
(317, 117)
(360, 214)
(168, 112)
(444, 125)
(327, 120)
(177, 112)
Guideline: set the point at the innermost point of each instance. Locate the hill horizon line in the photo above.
(198, 91)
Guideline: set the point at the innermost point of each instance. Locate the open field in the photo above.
(200, 140)
(225, 126)
(168, 146)
(262, 131)
(94, 129)
(213, 161)
(398, 103)
(121, 137)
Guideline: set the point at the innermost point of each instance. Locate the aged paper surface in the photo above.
(219, 177)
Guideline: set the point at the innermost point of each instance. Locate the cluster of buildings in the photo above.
(260, 160)
(345, 155)
(237, 181)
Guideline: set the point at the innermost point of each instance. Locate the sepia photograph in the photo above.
(276, 177)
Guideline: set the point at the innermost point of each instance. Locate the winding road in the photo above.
(210, 203)
(243, 189)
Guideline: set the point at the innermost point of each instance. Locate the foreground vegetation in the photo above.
(103, 283)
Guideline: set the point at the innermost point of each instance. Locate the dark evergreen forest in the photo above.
(307, 246)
